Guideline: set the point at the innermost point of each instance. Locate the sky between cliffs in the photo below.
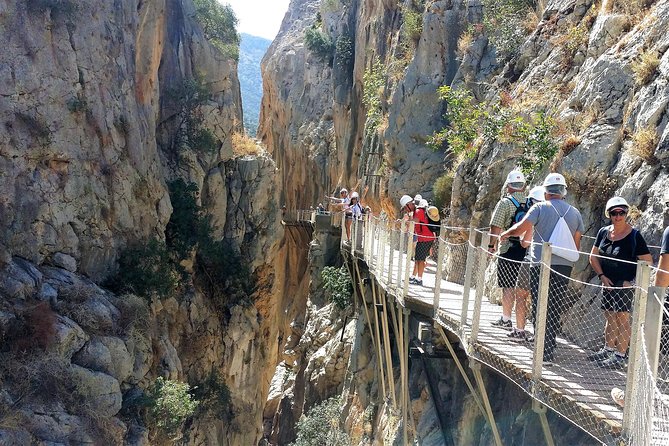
(259, 17)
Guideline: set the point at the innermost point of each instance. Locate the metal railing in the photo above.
(567, 326)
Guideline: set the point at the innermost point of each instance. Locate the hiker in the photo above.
(424, 238)
(536, 195)
(353, 211)
(417, 199)
(342, 201)
(509, 210)
(613, 258)
(435, 226)
(556, 221)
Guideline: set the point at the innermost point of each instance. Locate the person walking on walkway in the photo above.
(509, 210)
(424, 239)
(613, 258)
(544, 218)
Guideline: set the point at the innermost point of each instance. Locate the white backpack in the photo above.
(562, 240)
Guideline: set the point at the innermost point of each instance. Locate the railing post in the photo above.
(653, 325)
(635, 346)
(480, 285)
(343, 230)
(354, 233)
(407, 270)
(441, 251)
(382, 242)
(469, 268)
(403, 238)
(391, 252)
(541, 312)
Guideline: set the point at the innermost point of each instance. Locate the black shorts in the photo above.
(422, 251)
(618, 300)
(508, 266)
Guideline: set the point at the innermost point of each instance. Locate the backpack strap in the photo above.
(514, 201)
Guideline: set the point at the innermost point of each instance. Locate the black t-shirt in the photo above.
(628, 248)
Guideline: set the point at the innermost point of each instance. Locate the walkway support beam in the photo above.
(377, 337)
(541, 410)
(476, 368)
(386, 346)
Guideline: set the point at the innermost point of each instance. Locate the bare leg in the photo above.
(522, 299)
(624, 331)
(508, 296)
(348, 228)
(611, 329)
(420, 264)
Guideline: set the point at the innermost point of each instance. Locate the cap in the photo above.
(616, 202)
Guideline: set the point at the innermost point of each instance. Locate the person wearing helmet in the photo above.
(509, 210)
(342, 200)
(542, 219)
(613, 258)
(536, 195)
(407, 207)
(417, 199)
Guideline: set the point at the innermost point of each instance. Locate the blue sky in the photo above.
(259, 17)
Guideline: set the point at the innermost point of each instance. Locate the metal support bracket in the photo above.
(541, 410)
(476, 368)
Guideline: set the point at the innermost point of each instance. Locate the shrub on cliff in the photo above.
(219, 24)
(319, 44)
(504, 24)
(169, 404)
(321, 426)
(338, 284)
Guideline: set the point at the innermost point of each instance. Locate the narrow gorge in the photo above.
(152, 287)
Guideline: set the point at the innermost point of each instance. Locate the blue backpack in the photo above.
(521, 209)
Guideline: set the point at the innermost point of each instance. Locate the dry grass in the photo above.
(464, 43)
(243, 145)
(645, 67)
(590, 117)
(134, 313)
(644, 142)
(530, 22)
(569, 144)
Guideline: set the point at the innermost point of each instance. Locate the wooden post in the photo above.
(441, 247)
(407, 271)
(541, 313)
(635, 346)
(382, 243)
(386, 346)
(469, 268)
(480, 285)
(354, 233)
(377, 337)
(407, 407)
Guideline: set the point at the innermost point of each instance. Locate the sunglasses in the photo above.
(617, 213)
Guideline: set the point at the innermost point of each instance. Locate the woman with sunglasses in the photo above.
(613, 258)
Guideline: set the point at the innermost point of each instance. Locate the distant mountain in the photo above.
(251, 51)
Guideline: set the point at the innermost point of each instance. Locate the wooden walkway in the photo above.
(573, 386)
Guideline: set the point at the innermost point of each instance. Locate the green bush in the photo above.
(338, 284)
(170, 404)
(464, 121)
(373, 82)
(319, 43)
(213, 397)
(536, 136)
(321, 426)
(344, 52)
(443, 189)
(186, 226)
(503, 21)
(145, 269)
(413, 24)
(219, 24)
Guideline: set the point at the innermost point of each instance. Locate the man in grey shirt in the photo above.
(543, 218)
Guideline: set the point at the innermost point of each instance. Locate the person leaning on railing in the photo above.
(619, 241)
(543, 218)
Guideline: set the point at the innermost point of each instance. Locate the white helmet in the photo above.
(422, 204)
(515, 176)
(354, 195)
(537, 193)
(343, 189)
(417, 198)
(405, 200)
(555, 179)
(615, 202)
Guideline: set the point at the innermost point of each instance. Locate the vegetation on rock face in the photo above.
(219, 24)
(321, 426)
(504, 24)
(471, 124)
(319, 43)
(170, 404)
(213, 397)
(442, 189)
(645, 67)
(373, 82)
(344, 52)
(338, 284)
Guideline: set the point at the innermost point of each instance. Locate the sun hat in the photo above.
(616, 203)
(433, 213)
(405, 200)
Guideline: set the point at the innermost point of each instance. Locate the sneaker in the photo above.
(412, 280)
(518, 335)
(501, 323)
(615, 361)
(618, 396)
(418, 282)
(601, 355)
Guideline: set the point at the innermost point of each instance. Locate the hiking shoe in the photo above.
(418, 282)
(600, 355)
(501, 323)
(618, 396)
(613, 362)
(518, 335)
